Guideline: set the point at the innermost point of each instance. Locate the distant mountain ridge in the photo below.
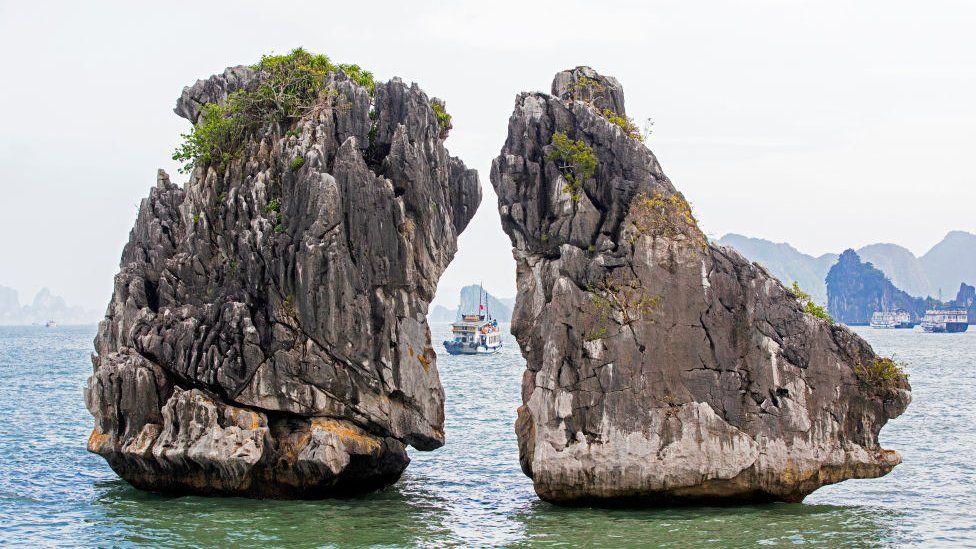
(45, 306)
(951, 262)
(942, 269)
(786, 262)
(500, 308)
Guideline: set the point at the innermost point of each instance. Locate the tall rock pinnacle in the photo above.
(661, 367)
(267, 335)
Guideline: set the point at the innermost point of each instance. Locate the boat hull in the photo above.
(947, 328)
(456, 348)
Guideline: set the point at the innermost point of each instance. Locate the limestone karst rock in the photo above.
(661, 367)
(267, 333)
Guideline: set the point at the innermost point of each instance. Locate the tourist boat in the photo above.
(475, 333)
(892, 320)
(945, 321)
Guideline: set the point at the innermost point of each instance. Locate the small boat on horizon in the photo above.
(950, 321)
(897, 319)
(50, 324)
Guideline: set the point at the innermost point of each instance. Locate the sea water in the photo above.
(471, 492)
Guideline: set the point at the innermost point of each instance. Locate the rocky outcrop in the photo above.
(267, 333)
(966, 299)
(661, 367)
(855, 290)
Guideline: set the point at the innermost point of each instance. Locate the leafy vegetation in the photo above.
(575, 160)
(292, 85)
(443, 117)
(588, 89)
(215, 139)
(274, 207)
(810, 306)
(882, 373)
(657, 215)
(360, 76)
(624, 123)
(621, 298)
(296, 163)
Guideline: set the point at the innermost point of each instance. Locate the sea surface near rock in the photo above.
(662, 368)
(267, 335)
(470, 492)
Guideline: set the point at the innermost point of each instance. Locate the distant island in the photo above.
(856, 290)
(942, 269)
(876, 277)
(500, 308)
(45, 306)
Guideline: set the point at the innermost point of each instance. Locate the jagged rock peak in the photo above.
(214, 89)
(661, 367)
(267, 335)
(585, 84)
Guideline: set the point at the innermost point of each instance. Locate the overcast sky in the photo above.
(824, 124)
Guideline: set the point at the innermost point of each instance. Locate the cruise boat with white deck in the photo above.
(475, 333)
(945, 321)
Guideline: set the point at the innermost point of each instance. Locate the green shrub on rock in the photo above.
(362, 77)
(296, 163)
(292, 84)
(882, 373)
(575, 160)
(442, 116)
(625, 124)
(809, 306)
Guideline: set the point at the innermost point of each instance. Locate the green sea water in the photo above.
(471, 492)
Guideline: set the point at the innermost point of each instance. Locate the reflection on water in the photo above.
(390, 517)
(471, 492)
(721, 526)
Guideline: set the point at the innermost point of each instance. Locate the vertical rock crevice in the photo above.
(661, 367)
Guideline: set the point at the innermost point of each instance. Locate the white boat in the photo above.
(945, 321)
(475, 333)
(891, 320)
(50, 324)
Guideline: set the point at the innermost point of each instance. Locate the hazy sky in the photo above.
(824, 124)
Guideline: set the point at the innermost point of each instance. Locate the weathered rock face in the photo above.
(661, 367)
(267, 333)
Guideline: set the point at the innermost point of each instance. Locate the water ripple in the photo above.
(471, 492)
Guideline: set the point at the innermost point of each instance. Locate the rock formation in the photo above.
(267, 333)
(966, 299)
(855, 290)
(661, 367)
